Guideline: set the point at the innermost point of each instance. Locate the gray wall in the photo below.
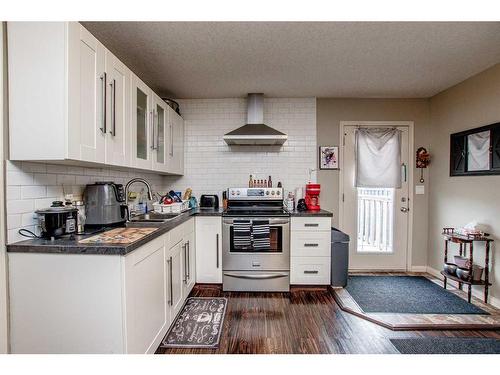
(329, 114)
(455, 201)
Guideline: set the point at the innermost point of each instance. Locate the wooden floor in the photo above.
(302, 321)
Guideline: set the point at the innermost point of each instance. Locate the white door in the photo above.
(87, 96)
(118, 112)
(161, 135)
(176, 148)
(376, 219)
(142, 121)
(208, 250)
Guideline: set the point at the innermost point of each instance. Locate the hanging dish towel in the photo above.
(242, 230)
(261, 234)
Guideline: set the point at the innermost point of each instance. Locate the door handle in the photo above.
(217, 248)
(103, 103)
(311, 272)
(311, 245)
(404, 209)
(311, 225)
(113, 107)
(169, 261)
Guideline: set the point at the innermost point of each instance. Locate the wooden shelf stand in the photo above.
(463, 240)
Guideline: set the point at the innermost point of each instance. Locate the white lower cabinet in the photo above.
(310, 250)
(83, 303)
(145, 288)
(209, 249)
(175, 284)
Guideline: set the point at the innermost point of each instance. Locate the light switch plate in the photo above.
(419, 189)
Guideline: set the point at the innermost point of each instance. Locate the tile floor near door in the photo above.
(304, 321)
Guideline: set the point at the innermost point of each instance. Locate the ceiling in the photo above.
(300, 59)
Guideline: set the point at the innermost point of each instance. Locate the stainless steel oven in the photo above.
(247, 266)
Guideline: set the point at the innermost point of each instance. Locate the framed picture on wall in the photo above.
(328, 157)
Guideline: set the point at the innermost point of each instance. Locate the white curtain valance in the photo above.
(378, 157)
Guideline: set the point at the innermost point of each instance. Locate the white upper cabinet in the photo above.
(86, 96)
(71, 100)
(161, 135)
(118, 113)
(142, 124)
(176, 147)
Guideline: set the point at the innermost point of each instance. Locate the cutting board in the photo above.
(119, 236)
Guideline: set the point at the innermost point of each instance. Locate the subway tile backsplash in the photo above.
(31, 186)
(210, 165)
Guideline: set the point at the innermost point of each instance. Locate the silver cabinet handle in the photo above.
(170, 295)
(311, 225)
(188, 276)
(171, 140)
(113, 108)
(217, 248)
(311, 272)
(151, 128)
(103, 103)
(256, 277)
(157, 138)
(184, 248)
(311, 245)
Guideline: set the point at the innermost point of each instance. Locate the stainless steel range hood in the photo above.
(255, 132)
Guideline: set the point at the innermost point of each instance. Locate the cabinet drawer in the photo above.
(316, 244)
(310, 270)
(313, 223)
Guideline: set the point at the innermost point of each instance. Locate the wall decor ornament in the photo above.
(422, 161)
(328, 157)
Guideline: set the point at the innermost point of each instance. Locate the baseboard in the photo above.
(418, 268)
(494, 301)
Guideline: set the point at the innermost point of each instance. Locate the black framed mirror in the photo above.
(475, 152)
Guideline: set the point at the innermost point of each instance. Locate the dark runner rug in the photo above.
(406, 294)
(198, 325)
(447, 345)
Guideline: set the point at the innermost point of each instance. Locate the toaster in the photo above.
(209, 201)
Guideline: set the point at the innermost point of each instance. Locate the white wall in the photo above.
(31, 186)
(212, 166)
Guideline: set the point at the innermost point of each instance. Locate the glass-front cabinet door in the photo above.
(160, 135)
(142, 124)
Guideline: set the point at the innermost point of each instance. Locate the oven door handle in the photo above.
(256, 277)
(275, 222)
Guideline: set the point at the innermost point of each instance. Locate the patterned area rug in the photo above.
(199, 324)
(447, 345)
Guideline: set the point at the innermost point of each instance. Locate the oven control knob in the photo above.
(267, 192)
(232, 192)
(272, 192)
(278, 192)
(238, 192)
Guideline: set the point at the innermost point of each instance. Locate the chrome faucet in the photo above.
(127, 186)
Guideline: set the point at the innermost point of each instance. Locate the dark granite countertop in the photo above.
(322, 213)
(67, 245)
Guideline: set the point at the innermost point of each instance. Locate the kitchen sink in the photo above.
(152, 217)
